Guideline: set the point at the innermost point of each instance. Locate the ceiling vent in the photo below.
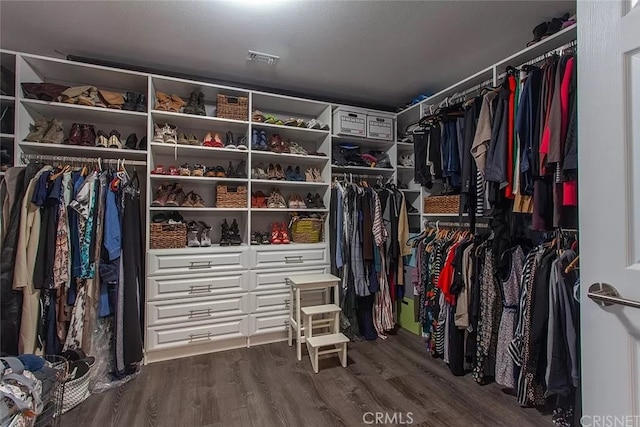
(266, 58)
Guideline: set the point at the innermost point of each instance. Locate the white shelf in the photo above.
(205, 123)
(366, 143)
(413, 213)
(291, 132)
(7, 98)
(85, 114)
(443, 214)
(181, 209)
(405, 190)
(157, 177)
(287, 106)
(407, 168)
(7, 136)
(362, 169)
(82, 151)
(405, 146)
(283, 183)
(288, 210)
(197, 150)
(268, 156)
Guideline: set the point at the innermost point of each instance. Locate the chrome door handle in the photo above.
(606, 295)
(294, 259)
(199, 264)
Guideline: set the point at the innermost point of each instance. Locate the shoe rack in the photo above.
(199, 299)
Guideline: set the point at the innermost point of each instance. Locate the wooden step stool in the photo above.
(334, 339)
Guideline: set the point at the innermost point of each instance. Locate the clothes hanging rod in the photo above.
(45, 157)
(454, 224)
(355, 175)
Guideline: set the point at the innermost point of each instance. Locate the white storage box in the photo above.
(349, 123)
(380, 128)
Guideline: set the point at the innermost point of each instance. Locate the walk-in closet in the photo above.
(319, 213)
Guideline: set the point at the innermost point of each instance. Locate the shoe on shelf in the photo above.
(317, 200)
(193, 140)
(176, 196)
(234, 234)
(231, 172)
(275, 234)
(162, 101)
(159, 133)
(141, 103)
(271, 171)
(220, 173)
(129, 101)
(185, 169)
(293, 202)
(162, 193)
(242, 143)
(310, 201)
(198, 170)
(182, 139)
(275, 144)
(284, 146)
(75, 135)
(224, 234)
(314, 124)
(284, 234)
(228, 141)
(176, 104)
(297, 174)
(173, 171)
(262, 140)
(158, 170)
(317, 177)
(256, 238)
(200, 108)
(197, 201)
(102, 139)
(241, 170)
(132, 142)
(308, 174)
(263, 237)
(217, 142)
(188, 200)
(301, 203)
(170, 134)
(190, 107)
(39, 128)
(210, 172)
(296, 148)
(289, 174)
(261, 172)
(257, 116)
(88, 136)
(114, 139)
(254, 140)
(54, 134)
(261, 199)
(279, 172)
(205, 236)
(193, 231)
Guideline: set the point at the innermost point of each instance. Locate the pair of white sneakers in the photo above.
(406, 160)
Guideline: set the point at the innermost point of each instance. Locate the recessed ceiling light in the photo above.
(266, 58)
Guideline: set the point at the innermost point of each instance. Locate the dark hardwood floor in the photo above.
(265, 386)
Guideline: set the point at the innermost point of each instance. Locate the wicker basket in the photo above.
(231, 197)
(442, 204)
(168, 236)
(233, 107)
(306, 230)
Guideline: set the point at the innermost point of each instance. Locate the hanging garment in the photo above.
(505, 371)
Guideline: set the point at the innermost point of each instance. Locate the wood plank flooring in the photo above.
(266, 386)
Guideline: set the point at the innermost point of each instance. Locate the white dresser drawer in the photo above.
(171, 287)
(276, 279)
(269, 301)
(198, 260)
(289, 256)
(269, 324)
(195, 309)
(168, 336)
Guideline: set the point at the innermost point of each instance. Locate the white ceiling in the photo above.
(363, 52)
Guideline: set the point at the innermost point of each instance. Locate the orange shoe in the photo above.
(284, 234)
(275, 234)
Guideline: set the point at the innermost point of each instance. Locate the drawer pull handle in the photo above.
(198, 289)
(293, 259)
(198, 337)
(204, 312)
(199, 264)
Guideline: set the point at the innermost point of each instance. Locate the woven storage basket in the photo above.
(231, 197)
(442, 204)
(168, 236)
(307, 230)
(233, 107)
